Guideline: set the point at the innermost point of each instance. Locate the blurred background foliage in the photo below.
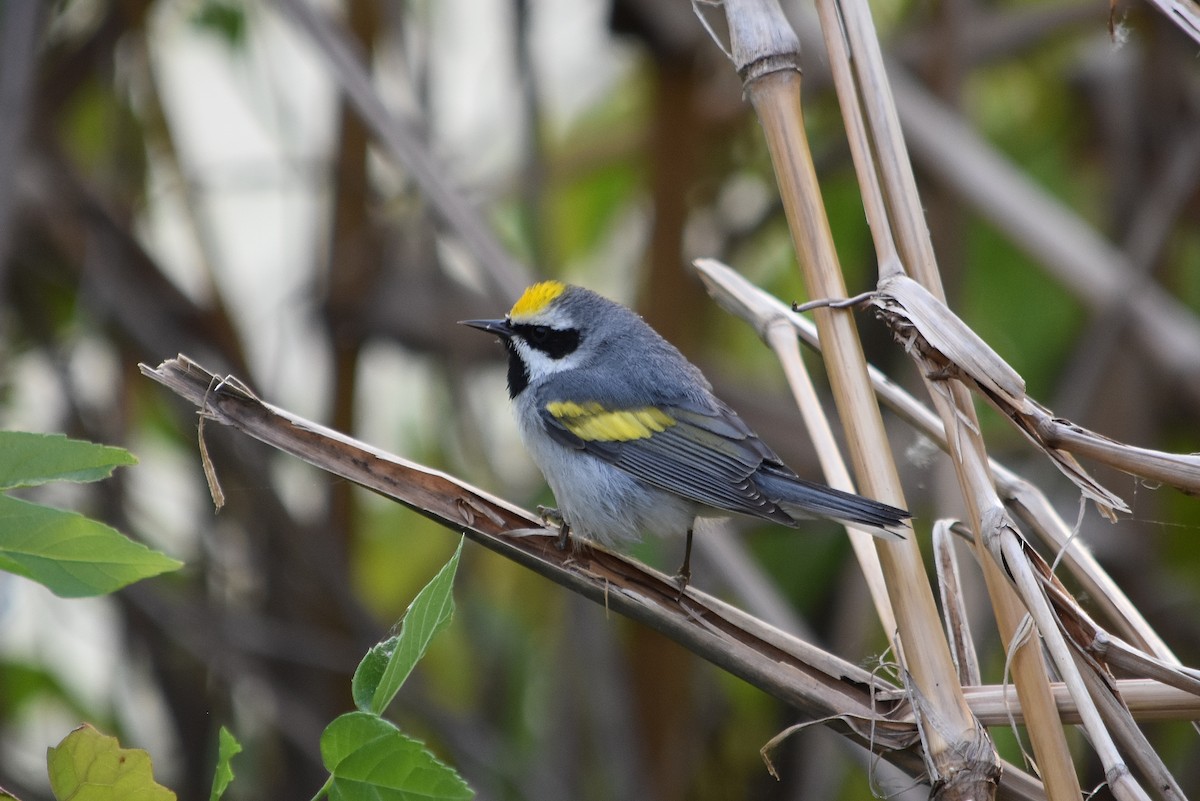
(182, 175)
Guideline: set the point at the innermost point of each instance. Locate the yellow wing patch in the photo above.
(591, 422)
(536, 298)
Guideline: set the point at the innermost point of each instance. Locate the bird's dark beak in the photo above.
(500, 328)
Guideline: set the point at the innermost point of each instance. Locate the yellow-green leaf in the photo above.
(227, 749)
(90, 766)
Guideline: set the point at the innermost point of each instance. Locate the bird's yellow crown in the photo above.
(536, 298)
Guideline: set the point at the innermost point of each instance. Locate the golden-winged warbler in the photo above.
(630, 436)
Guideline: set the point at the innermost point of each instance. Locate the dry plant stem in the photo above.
(1146, 699)
(1032, 508)
(816, 683)
(952, 400)
(822, 687)
(1120, 722)
(813, 681)
(958, 626)
(993, 529)
(782, 339)
(738, 296)
(1028, 666)
(1002, 543)
(957, 746)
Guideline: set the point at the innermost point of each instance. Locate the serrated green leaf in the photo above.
(73, 556)
(29, 460)
(369, 673)
(90, 766)
(368, 757)
(428, 614)
(227, 748)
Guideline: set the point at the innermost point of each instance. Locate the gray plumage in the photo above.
(584, 349)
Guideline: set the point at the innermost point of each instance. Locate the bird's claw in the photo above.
(553, 518)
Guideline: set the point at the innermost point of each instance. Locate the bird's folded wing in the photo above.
(705, 454)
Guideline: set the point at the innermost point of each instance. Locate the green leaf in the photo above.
(369, 674)
(29, 460)
(227, 748)
(385, 667)
(89, 766)
(368, 757)
(70, 554)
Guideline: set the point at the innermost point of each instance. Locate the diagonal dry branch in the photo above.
(854, 702)
(805, 677)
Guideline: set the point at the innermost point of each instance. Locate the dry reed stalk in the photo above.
(886, 158)
(958, 626)
(743, 299)
(782, 339)
(959, 754)
(736, 295)
(1028, 666)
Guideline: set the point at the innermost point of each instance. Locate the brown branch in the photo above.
(819, 685)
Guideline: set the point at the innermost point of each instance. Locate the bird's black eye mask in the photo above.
(554, 342)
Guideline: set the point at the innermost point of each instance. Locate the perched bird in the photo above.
(630, 436)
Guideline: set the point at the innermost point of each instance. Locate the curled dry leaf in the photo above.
(950, 349)
(929, 330)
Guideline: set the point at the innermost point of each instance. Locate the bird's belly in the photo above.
(603, 502)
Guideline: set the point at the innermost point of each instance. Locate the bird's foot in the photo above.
(682, 580)
(553, 518)
(684, 576)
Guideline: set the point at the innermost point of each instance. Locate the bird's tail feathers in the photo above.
(801, 498)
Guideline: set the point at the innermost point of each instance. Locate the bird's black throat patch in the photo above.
(518, 373)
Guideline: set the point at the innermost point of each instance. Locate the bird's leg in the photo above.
(685, 570)
(554, 518)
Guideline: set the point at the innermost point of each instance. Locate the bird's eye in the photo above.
(539, 333)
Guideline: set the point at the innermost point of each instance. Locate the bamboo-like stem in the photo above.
(886, 158)
(993, 529)
(958, 746)
(1145, 698)
(958, 627)
(958, 751)
(1028, 666)
(782, 339)
(1003, 545)
(743, 299)
(736, 294)
(1119, 720)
